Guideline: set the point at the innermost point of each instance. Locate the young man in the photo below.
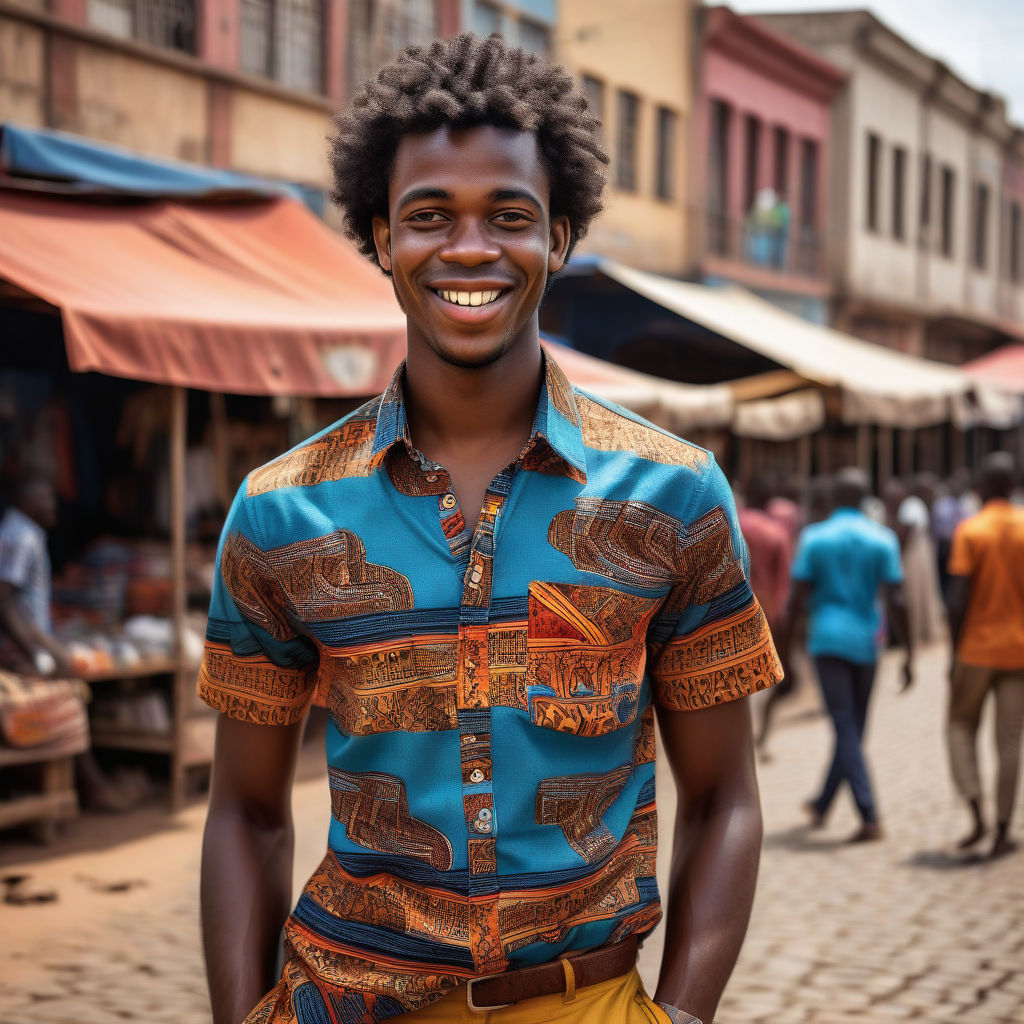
(486, 576)
(986, 567)
(841, 565)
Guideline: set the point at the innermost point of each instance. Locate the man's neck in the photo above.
(454, 410)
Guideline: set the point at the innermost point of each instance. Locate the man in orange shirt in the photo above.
(986, 612)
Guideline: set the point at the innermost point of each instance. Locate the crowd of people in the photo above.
(843, 573)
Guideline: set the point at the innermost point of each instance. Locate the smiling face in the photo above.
(469, 241)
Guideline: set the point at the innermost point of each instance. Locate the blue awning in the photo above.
(61, 162)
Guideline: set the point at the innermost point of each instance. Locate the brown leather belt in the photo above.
(497, 990)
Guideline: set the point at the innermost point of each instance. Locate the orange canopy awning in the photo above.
(251, 298)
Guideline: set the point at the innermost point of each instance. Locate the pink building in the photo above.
(760, 161)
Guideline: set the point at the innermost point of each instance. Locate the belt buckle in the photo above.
(469, 994)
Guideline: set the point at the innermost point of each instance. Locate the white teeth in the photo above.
(471, 298)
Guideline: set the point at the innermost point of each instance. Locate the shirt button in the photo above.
(449, 501)
(476, 775)
(484, 814)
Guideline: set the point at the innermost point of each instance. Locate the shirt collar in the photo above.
(556, 421)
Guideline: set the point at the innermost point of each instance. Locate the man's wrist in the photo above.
(678, 1016)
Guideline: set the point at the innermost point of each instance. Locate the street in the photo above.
(895, 930)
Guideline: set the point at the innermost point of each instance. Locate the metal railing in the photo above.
(167, 23)
(784, 248)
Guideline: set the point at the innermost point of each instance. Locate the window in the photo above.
(625, 150)
(593, 89)
(283, 40)
(874, 166)
(1015, 240)
(948, 202)
(925, 213)
(781, 160)
(378, 29)
(808, 183)
(534, 37)
(665, 165)
(899, 183)
(486, 18)
(718, 175)
(752, 146)
(167, 23)
(980, 254)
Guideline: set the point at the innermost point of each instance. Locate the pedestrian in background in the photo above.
(770, 556)
(841, 566)
(986, 613)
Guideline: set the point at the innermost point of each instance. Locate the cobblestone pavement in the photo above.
(896, 930)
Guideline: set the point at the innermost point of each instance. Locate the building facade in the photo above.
(760, 160)
(924, 181)
(249, 85)
(635, 71)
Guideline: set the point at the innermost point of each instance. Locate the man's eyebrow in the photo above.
(416, 194)
(505, 194)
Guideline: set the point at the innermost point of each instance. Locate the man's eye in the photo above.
(427, 217)
(512, 217)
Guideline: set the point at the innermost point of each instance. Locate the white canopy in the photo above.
(878, 385)
(674, 406)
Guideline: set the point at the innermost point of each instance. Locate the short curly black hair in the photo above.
(465, 82)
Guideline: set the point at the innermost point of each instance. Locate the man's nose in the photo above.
(469, 244)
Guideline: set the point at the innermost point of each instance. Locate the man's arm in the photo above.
(896, 606)
(959, 598)
(248, 845)
(25, 634)
(715, 854)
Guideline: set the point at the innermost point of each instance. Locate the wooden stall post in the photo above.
(804, 456)
(182, 680)
(906, 451)
(958, 456)
(864, 447)
(884, 455)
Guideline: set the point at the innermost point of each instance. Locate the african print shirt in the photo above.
(491, 741)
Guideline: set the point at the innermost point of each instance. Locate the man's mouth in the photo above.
(467, 298)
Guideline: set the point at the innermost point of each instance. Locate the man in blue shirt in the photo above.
(841, 566)
(490, 580)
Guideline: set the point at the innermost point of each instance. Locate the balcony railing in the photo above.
(781, 247)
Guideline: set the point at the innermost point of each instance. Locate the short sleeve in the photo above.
(255, 668)
(15, 560)
(960, 561)
(711, 643)
(892, 563)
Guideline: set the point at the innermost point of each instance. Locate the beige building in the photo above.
(922, 259)
(634, 64)
(248, 85)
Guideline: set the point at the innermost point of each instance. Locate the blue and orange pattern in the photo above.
(490, 690)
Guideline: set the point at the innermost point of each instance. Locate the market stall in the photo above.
(243, 291)
(791, 378)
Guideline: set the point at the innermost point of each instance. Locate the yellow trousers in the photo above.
(616, 1001)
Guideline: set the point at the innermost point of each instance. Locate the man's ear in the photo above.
(382, 239)
(558, 243)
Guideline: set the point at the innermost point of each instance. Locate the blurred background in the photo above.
(812, 257)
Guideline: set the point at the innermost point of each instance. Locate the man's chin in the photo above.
(474, 354)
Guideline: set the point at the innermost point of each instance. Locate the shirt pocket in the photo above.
(586, 654)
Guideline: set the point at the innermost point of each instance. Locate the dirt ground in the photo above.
(902, 929)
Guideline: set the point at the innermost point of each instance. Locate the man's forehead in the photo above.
(480, 158)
